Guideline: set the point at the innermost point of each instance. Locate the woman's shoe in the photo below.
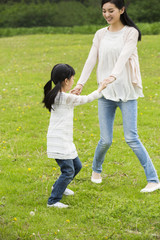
(96, 177)
(151, 187)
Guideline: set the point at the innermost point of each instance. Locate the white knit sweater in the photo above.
(60, 132)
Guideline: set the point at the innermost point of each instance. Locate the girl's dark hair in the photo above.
(58, 74)
(124, 17)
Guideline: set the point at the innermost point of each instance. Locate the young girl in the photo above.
(60, 144)
(115, 47)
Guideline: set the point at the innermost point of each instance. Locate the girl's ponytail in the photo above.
(47, 87)
(58, 74)
(50, 94)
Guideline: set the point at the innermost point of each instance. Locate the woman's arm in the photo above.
(87, 69)
(89, 65)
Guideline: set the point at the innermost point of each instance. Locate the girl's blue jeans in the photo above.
(69, 169)
(106, 111)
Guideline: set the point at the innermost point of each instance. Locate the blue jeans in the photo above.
(106, 111)
(69, 169)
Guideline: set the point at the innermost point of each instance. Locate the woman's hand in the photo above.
(77, 90)
(106, 82)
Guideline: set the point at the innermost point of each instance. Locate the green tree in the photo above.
(144, 11)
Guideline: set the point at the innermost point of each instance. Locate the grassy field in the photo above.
(114, 209)
(145, 28)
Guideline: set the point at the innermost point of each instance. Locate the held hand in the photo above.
(106, 82)
(77, 90)
(110, 79)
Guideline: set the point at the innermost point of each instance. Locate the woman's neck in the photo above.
(115, 27)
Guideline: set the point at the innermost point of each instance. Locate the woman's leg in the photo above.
(106, 112)
(129, 113)
(67, 174)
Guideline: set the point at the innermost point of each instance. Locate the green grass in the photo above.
(114, 209)
(145, 28)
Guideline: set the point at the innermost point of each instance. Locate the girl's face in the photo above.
(69, 83)
(111, 13)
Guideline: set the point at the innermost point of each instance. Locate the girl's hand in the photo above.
(77, 90)
(106, 82)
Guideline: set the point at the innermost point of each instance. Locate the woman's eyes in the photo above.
(108, 11)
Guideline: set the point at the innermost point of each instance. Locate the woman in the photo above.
(115, 47)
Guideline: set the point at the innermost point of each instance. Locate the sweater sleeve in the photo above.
(128, 49)
(76, 100)
(90, 62)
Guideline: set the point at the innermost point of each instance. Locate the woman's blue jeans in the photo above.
(106, 111)
(69, 169)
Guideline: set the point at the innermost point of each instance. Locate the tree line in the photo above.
(31, 13)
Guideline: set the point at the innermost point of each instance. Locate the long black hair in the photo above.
(124, 16)
(58, 74)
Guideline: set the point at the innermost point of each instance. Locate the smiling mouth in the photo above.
(108, 19)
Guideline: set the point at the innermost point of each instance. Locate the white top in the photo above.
(60, 132)
(117, 56)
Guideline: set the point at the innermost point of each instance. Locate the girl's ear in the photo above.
(66, 80)
(122, 10)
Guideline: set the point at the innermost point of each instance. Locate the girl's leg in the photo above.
(77, 165)
(67, 174)
(129, 113)
(106, 112)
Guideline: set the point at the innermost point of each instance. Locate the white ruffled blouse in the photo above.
(117, 56)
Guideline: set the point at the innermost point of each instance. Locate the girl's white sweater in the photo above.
(60, 132)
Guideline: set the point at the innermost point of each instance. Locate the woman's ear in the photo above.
(122, 10)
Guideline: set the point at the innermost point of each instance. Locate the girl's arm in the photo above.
(76, 100)
(128, 49)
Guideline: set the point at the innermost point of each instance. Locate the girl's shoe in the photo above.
(58, 205)
(151, 187)
(67, 192)
(96, 177)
